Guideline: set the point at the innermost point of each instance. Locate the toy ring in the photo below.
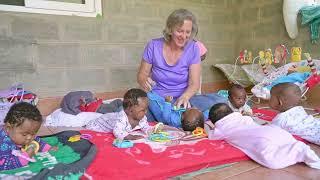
(160, 137)
(34, 145)
(199, 132)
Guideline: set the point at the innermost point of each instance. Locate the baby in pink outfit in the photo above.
(268, 145)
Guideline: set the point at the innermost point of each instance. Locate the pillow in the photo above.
(59, 118)
(238, 76)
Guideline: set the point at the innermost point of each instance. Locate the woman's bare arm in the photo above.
(143, 76)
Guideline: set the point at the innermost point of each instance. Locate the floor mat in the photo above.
(154, 160)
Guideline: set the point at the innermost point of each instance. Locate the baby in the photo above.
(131, 118)
(268, 145)
(237, 100)
(164, 111)
(21, 125)
(285, 97)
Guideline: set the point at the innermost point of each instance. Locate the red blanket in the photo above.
(144, 161)
(265, 114)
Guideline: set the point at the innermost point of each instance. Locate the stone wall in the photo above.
(55, 54)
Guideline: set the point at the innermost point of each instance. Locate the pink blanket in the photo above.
(268, 145)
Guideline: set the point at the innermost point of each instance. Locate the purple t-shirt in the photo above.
(170, 80)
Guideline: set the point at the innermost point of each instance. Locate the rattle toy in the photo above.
(122, 143)
(33, 145)
(199, 132)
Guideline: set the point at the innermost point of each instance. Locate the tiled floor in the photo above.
(245, 170)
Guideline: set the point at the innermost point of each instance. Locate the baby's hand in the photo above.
(31, 152)
(133, 137)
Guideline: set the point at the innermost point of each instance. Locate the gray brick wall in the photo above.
(55, 54)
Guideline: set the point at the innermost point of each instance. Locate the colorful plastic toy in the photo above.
(160, 137)
(34, 145)
(122, 143)
(76, 138)
(296, 54)
(199, 132)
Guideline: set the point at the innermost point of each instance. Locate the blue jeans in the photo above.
(205, 101)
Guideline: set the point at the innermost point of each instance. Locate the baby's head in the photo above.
(135, 104)
(284, 96)
(191, 119)
(237, 96)
(219, 111)
(22, 123)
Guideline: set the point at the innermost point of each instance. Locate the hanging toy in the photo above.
(296, 54)
(262, 62)
(268, 57)
(280, 54)
(250, 57)
(244, 56)
(315, 78)
(311, 64)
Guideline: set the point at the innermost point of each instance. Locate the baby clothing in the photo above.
(7, 159)
(118, 123)
(297, 122)
(165, 112)
(245, 109)
(268, 145)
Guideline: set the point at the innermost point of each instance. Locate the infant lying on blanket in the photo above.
(164, 111)
(286, 97)
(132, 118)
(268, 145)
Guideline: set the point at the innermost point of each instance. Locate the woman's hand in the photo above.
(149, 83)
(183, 101)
